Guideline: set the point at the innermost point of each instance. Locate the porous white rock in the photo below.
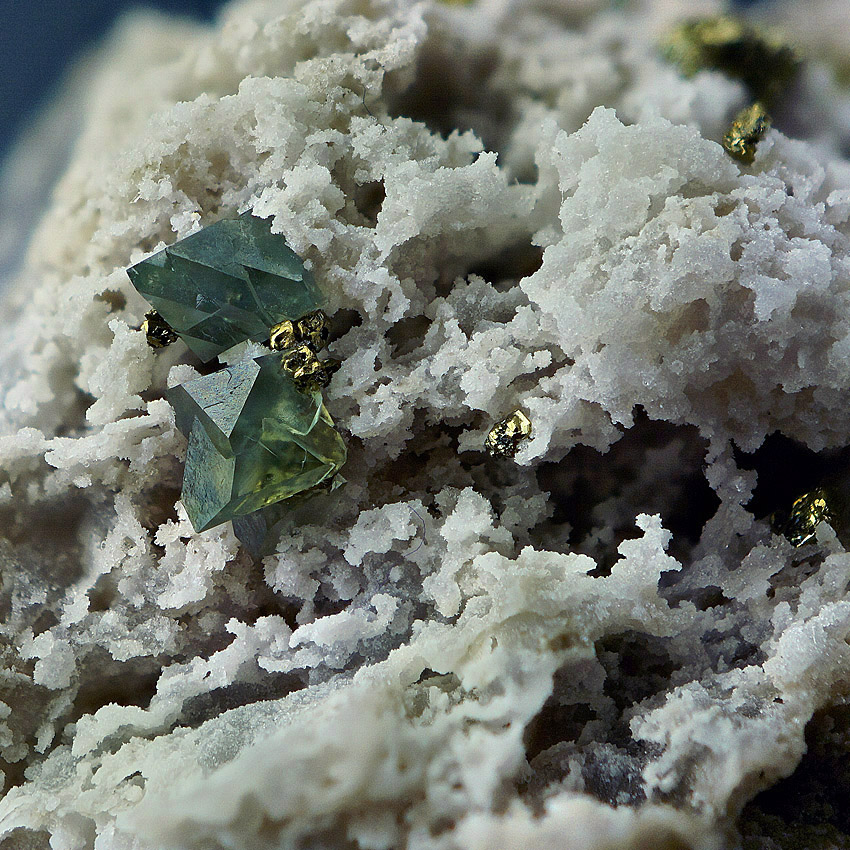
(508, 205)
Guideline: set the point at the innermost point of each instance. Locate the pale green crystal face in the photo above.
(254, 439)
(229, 282)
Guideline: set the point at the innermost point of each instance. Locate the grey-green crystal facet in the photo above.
(229, 282)
(254, 440)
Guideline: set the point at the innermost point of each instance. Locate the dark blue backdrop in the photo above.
(38, 38)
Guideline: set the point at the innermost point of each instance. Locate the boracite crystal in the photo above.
(254, 439)
(227, 283)
(258, 531)
(504, 438)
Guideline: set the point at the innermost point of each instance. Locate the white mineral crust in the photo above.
(508, 205)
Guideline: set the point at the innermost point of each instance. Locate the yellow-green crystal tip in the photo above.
(225, 284)
(254, 440)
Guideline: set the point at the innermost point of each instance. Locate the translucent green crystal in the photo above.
(229, 282)
(260, 531)
(254, 440)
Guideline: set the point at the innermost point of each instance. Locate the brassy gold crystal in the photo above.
(746, 132)
(311, 330)
(307, 371)
(157, 331)
(805, 514)
(504, 438)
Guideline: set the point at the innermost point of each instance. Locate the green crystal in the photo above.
(254, 439)
(229, 282)
(260, 531)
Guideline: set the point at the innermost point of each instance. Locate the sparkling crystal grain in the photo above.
(806, 513)
(156, 331)
(746, 132)
(505, 436)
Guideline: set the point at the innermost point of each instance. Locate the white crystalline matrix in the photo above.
(510, 206)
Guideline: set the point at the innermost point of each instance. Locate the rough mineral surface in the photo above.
(597, 644)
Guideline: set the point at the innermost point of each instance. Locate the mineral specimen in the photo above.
(805, 514)
(311, 330)
(254, 439)
(229, 282)
(504, 438)
(156, 330)
(746, 132)
(598, 646)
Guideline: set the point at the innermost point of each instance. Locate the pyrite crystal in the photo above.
(799, 524)
(254, 439)
(306, 370)
(504, 438)
(156, 331)
(227, 283)
(311, 330)
(746, 132)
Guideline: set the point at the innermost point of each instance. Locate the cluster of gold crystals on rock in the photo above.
(805, 514)
(306, 370)
(311, 330)
(758, 57)
(505, 436)
(746, 132)
(157, 331)
(283, 336)
(300, 341)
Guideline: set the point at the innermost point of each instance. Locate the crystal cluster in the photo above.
(258, 430)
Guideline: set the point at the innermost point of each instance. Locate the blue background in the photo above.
(38, 39)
